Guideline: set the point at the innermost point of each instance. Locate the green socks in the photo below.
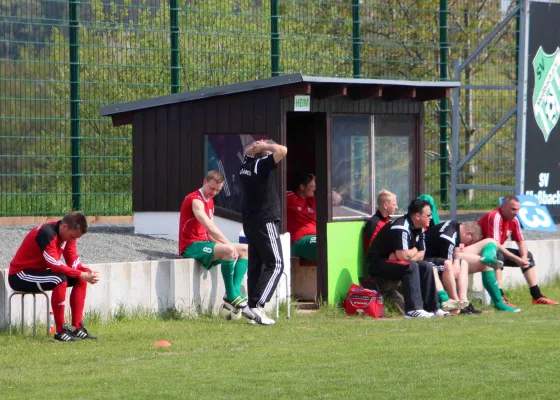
(227, 275)
(491, 285)
(488, 254)
(442, 296)
(239, 272)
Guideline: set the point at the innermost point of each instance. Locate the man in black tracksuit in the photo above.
(261, 223)
(396, 253)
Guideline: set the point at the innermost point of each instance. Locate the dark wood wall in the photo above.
(168, 143)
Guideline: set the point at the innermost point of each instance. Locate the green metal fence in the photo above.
(60, 60)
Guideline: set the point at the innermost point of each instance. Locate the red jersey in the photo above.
(42, 249)
(301, 216)
(495, 226)
(372, 228)
(190, 230)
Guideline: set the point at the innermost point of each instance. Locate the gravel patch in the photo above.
(118, 243)
(102, 244)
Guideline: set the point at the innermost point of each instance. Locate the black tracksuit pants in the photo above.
(419, 288)
(266, 262)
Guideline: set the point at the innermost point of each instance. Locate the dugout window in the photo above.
(224, 153)
(395, 159)
(352, 166)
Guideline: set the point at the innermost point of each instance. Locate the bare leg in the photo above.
(439, 285)
(531, 277)
(448, 280)
(463, 281)
(499, 274)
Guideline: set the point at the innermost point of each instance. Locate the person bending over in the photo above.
(37, 267)
(456, 250)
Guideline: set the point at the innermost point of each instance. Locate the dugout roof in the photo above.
(295, 84)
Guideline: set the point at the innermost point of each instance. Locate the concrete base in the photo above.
(153, 286)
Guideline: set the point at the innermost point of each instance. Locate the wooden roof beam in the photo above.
(393, 93)
(122, 119)
(362, 92)
(295, 89)
(326, 91)
(426, 94)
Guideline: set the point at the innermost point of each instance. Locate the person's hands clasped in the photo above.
(90, 276)
(259, 146)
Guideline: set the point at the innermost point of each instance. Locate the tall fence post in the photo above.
(522, 53)
(356, 40)
(75, 105)
(174, 39)
(274, 39)
(443, 104)
(456, 97)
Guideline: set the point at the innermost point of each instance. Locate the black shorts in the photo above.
(509, 263)
(34, 281)
(437, 261)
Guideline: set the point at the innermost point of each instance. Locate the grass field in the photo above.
(325, 355)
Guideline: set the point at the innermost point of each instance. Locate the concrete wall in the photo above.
(146, 285)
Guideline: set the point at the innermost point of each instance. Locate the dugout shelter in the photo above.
(356, 135)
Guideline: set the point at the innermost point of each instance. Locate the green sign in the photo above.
(546, 95)
(302, 103)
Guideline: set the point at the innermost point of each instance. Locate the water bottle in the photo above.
(380, 306)
(51, 324)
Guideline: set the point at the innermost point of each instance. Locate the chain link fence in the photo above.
(60, 60)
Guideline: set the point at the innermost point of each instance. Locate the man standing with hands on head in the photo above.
(261, 224)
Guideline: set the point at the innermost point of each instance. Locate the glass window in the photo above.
(352, 173)
(224, 153)
(394, 156)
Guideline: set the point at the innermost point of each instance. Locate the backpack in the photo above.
(364, 301)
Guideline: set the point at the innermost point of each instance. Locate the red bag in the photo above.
(364, 301)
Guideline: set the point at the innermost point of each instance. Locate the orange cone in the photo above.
(162, 343)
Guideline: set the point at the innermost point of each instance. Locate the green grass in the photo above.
(324, 355)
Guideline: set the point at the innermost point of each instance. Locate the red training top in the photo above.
(42, 249)
(301, 216)
(495, 226)
(190, 230)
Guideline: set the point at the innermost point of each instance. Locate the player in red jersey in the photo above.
(302, 220)
(37, 267)
(200, 238)
(386, 206)
(500, 224)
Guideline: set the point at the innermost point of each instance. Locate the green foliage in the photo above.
(124, 55)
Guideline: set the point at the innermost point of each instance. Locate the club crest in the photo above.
(546, 94)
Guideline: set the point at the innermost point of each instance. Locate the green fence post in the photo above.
(174, 33)
(443, 105)
(356, 40)
(75, 105)
(274, 39)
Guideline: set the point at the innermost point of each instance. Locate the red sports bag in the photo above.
(364, 301)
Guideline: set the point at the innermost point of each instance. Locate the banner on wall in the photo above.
(542, 151)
